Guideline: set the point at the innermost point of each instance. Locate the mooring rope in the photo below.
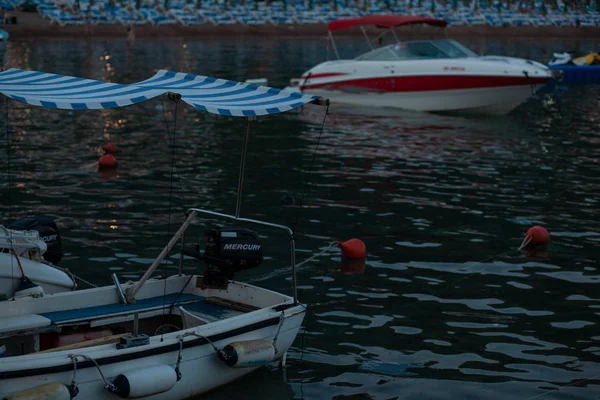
(179, 358)
(109, 386)
(309, 259)
(12, 276)
(281, 319)
(173, 142)
(71, 274)
(312, 162)
(201, 337)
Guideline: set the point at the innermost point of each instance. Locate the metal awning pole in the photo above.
(238, 205)
(362, 28)
(132, 291)
(293, 262)
(335, 50)
(395, 36)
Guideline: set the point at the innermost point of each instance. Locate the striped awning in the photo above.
(216, 96)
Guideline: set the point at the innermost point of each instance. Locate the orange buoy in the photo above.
(110, 148)
(536, 236)
(353, 248)
(107, 161)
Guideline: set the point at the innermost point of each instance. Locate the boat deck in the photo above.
(209, 309)
(192, 302)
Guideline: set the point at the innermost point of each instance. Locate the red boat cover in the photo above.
(383, 21)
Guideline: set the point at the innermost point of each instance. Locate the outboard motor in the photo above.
(49, 233)
(226, 252)
(233, 250)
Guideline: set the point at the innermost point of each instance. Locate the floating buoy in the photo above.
(48, 391)
(536, 236)
(249, 353)
(110, 148)
(144, 382)
(353, 248)
(107, 161)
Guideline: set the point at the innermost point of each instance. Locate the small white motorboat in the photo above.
(164, 338)
(30, 250)
(422, 75)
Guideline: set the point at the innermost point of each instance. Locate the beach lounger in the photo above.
(215, 18)
(245, 17)
(62, 18)
(155, 18)
(124, 16)
(184, 17)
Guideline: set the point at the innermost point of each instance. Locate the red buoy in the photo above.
(107, 161)
(353, 248)
(536, 236)
(110, 148)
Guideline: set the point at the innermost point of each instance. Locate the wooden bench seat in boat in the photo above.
(210, 310)
(88, 343)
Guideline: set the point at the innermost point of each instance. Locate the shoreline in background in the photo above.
(32, 25)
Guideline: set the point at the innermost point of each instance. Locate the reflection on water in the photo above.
(446, 306)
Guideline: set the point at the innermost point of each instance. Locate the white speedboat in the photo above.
(165, 338)
(422, 75)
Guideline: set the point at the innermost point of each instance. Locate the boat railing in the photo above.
(192, 213)
(287, 229)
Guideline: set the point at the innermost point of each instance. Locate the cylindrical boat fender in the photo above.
(249, 353)
(48, 391)
(144, 382)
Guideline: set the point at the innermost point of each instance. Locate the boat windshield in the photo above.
(418, 50)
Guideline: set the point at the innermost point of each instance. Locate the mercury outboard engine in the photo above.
(49, 233)
(226, 252)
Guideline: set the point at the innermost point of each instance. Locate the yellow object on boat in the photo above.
(588, 59)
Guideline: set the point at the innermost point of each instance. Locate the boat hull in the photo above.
(489, 100)
(485, 85)
(201, 369)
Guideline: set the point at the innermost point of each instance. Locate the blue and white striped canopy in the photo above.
(216, 96)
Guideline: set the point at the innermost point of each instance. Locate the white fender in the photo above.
(143, 382)
(249, 353)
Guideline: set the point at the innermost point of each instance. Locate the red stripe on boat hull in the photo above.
(426, 83)
(324, 75)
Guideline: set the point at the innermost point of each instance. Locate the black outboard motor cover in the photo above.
(49, 233)
(233, 250)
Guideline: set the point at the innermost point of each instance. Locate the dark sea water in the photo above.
(447, 307)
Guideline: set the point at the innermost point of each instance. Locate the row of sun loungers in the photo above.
(215, 12)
